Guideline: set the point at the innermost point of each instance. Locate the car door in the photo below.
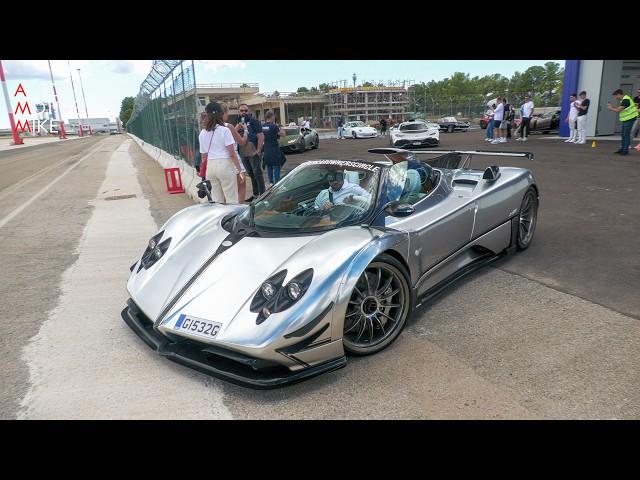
(347, 129)
(441, 224)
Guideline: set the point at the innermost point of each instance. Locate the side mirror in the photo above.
(399, 209)
(491, 173)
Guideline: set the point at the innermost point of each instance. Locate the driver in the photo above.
(340, 192)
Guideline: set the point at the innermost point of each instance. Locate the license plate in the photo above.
(197, 326)
(416, 143)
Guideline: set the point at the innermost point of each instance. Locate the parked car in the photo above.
(546, 122)
(416, 133)
(343, 272)
(359, 130)
(450, 124)
(299, 139)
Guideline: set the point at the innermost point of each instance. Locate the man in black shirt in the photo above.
(582, 116)
(252, 151)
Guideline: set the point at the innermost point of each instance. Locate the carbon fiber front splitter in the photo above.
(230, 366)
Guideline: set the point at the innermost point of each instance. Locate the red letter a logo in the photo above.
(20, 89)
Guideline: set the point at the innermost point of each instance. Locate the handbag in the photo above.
(248, 149)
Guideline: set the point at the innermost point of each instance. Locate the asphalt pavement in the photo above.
(551, 332)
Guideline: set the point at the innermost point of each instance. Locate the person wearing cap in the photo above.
(340, 192)
(527, 112)
(220, 164)
(628, 114)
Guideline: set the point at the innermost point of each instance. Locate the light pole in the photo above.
(85, 102)
(14, 131)
(63, 134)
(75, 100)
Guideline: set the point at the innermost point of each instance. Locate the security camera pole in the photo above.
(14, 131)
(63, 134)
(75, 100)
(85, 102)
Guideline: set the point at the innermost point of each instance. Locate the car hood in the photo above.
(224, 289)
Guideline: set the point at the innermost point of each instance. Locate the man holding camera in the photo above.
(250, 152)
(628, 114)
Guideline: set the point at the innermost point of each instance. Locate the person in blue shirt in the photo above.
(272, 156)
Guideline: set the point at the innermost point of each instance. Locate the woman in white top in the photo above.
(239, 140)
(572, 118)
(217, 149)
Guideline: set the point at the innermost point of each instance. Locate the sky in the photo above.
(107, 82)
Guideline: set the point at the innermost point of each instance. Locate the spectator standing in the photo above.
(498, 116)
(218, 153)
(273, 157)
(383, 127)
(572, 119)
(526, 114)
(583, 109)
(627, 113)
(249, 152)
(636, 126)
(340, 127)
(489, 136)
(509, 116)
(238, 140)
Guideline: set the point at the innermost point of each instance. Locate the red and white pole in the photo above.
(75, 100)
(14, 131)
(84, 99)
(63, 134)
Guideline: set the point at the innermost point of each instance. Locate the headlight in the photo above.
(268, 290)
(154, 251)
(294, 291)
(291, 141)
(274, 297)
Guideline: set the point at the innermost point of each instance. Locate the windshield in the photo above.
(413, 127)
(357, 124)
(448, 119)
(317, 195)
(291, 131)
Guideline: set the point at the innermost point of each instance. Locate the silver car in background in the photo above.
(415, 134)
(329, 262)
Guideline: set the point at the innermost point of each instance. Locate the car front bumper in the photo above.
(423, 142)
(231, 366)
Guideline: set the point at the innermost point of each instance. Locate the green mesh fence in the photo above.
(165, 112)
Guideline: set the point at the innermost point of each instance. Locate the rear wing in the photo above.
(449, 159)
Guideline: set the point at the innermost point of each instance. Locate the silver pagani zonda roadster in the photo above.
(330, 261)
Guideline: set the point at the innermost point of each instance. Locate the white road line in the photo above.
(22, 207)
(85, 362)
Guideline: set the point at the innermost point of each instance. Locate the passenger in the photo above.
(341, 192)
(273, 157)
(217, 149)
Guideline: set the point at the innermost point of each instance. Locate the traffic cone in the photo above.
(593, 145)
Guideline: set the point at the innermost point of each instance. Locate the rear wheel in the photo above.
(378, 307)
(528, 218)
(451, 128)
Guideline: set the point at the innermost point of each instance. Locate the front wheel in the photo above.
(451, 128)
(354, 135)
(378, 308)
(317, 143)
(528, 218)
